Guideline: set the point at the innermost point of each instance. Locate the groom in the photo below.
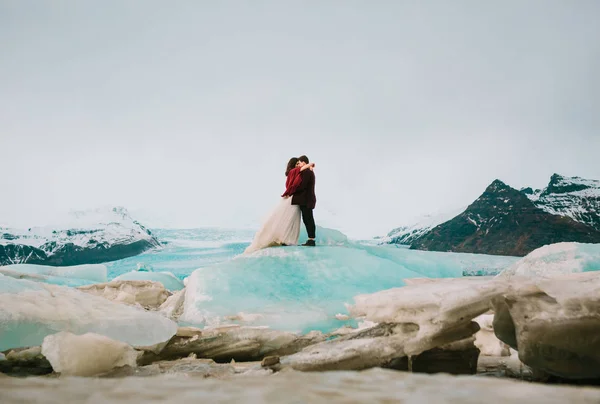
(306, 199)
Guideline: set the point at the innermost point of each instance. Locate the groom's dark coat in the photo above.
(305, 194)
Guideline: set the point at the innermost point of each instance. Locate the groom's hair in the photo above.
(304, 159)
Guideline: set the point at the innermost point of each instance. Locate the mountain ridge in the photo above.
(507, 221)
(88, 237)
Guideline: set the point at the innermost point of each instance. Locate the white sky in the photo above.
(186, 112)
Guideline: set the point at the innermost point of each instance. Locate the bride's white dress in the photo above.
(282, 226)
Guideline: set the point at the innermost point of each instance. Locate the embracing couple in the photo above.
(282, 227)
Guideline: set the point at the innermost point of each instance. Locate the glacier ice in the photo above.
(439, 307)
(302, 289)
(77, 275)
(352, 354)
(325, 236)
(173, 307)
(148, 294)
(169, 281)
(54, 280)
(29, 311)
(486, 340)
(86, 355)
(233, 342)
(557, 259)
(553, 322)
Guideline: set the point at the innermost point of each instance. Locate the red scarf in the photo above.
(293, 182)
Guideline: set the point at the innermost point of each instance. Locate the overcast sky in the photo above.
(186, 112)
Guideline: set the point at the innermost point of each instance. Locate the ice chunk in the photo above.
(234, 342)
(486, 340)
(86, 355)
(92, 272)
(440, 309)
(30, 311)
(77, 275)
(304, 288)
(147, 294)
(325, 236)
(170, 281)
(173, 307)
(556, 259)
(55, 280)
(554, 323)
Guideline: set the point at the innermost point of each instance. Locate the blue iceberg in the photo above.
(307, 288)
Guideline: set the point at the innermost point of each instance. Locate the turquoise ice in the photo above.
(78, 275)
(306, 288)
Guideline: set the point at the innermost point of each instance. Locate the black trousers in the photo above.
(309, 221)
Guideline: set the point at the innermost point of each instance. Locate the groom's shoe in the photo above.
(309, 243)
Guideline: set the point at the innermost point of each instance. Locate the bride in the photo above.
(282, 226)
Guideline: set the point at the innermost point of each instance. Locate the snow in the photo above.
(90, 272)
(556, 259)
(86, 355)
(84, 229)
(29, 311)
(581, 204)
(472, 221)
(170, 281)
(408, 233)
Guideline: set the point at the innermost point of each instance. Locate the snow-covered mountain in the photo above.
(85, 237)
(574, 197)
(409, 233)
(506, 221)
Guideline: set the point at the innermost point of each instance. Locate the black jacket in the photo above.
(305, 194)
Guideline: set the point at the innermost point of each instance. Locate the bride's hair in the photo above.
(291, 165)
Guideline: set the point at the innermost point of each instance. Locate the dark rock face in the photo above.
(504, 221)
(558, 185)
(11, 253)
(71, 254)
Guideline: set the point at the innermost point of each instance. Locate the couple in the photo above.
(282, 227)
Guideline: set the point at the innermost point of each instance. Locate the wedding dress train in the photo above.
(282, 226)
